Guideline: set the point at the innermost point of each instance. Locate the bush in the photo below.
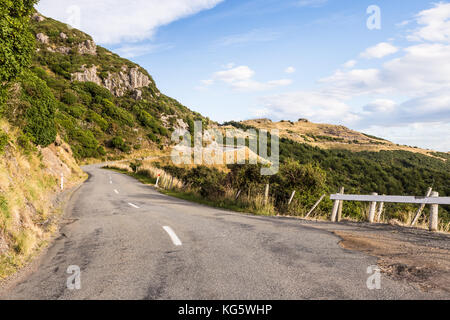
(24, 141)
(121, 115)
(209, 181)
(153, 137)
(40, 112)
(3, 141)
(119, 143)
(69, 97)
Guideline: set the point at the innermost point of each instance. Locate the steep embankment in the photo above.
(29, 186)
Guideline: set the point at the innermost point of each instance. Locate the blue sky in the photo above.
(289, 59)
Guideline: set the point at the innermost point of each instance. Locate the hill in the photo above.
(104, 106)
(328, 136)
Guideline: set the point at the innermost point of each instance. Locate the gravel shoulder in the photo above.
(416, 256)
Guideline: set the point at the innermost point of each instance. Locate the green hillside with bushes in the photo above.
(97, 122)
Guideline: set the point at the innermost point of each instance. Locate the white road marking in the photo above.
(176, 241)
(133, 205)
(115, 190)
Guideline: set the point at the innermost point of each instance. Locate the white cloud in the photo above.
(132, 51)
(116, 21)
(314, 105)
(257, 35)
(241, 79)
(434, 24)
(290, 70)
(381, 50)
(350, 64)
(380, 105)
(409, 91)
(311, 3)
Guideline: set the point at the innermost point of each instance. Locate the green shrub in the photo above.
(24, 142)
(69, 97)
(119, 143)
(3, 141)
(98, 119)
(153, 137)
(40, 112)
(121, 115)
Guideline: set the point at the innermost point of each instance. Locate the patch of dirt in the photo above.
(424, 266)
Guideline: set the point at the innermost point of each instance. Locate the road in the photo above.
(131, 242)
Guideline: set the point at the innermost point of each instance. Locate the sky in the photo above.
(381, 66)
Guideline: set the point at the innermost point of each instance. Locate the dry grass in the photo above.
(28, 186)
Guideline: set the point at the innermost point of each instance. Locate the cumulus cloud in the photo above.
(350, 64)
(314, 105)
(311, 3)
(123, 21)
(240, 78)
(381, 50)
(256, 35)
(434, 24)
(290, 70)
(132, 51)
(412, 89)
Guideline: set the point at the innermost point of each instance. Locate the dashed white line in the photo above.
(176, 241)
(133, 205)
(115, 190)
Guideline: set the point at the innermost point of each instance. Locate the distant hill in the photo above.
(328, 136)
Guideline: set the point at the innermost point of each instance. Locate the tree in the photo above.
(16, 41)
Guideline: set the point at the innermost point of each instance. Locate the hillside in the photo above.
(106, 106)
(328, 136)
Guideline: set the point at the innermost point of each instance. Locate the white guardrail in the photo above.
(434, 201)
(392, 199)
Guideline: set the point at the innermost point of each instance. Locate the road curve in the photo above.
(131, 242)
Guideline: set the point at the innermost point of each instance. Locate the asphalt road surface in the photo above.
(131, 242)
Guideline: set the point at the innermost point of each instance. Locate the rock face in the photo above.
(87, 47)
(117, 83)
(37, 17)
(42, 38)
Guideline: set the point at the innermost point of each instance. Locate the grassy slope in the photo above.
(29, 182)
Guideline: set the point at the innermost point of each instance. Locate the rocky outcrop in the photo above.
(128, 79)
(42, 38)
(37, 17)
(87, 47)
(87, 75)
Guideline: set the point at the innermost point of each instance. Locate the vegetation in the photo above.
(16, 42)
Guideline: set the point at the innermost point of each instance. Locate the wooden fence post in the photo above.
(434, 214)
(380, 211)
(373, 208)
(157, 181)
(341, 205)
(334, 213)
(315, 205)
(422, 206)
(266, 194)
(292, 197)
